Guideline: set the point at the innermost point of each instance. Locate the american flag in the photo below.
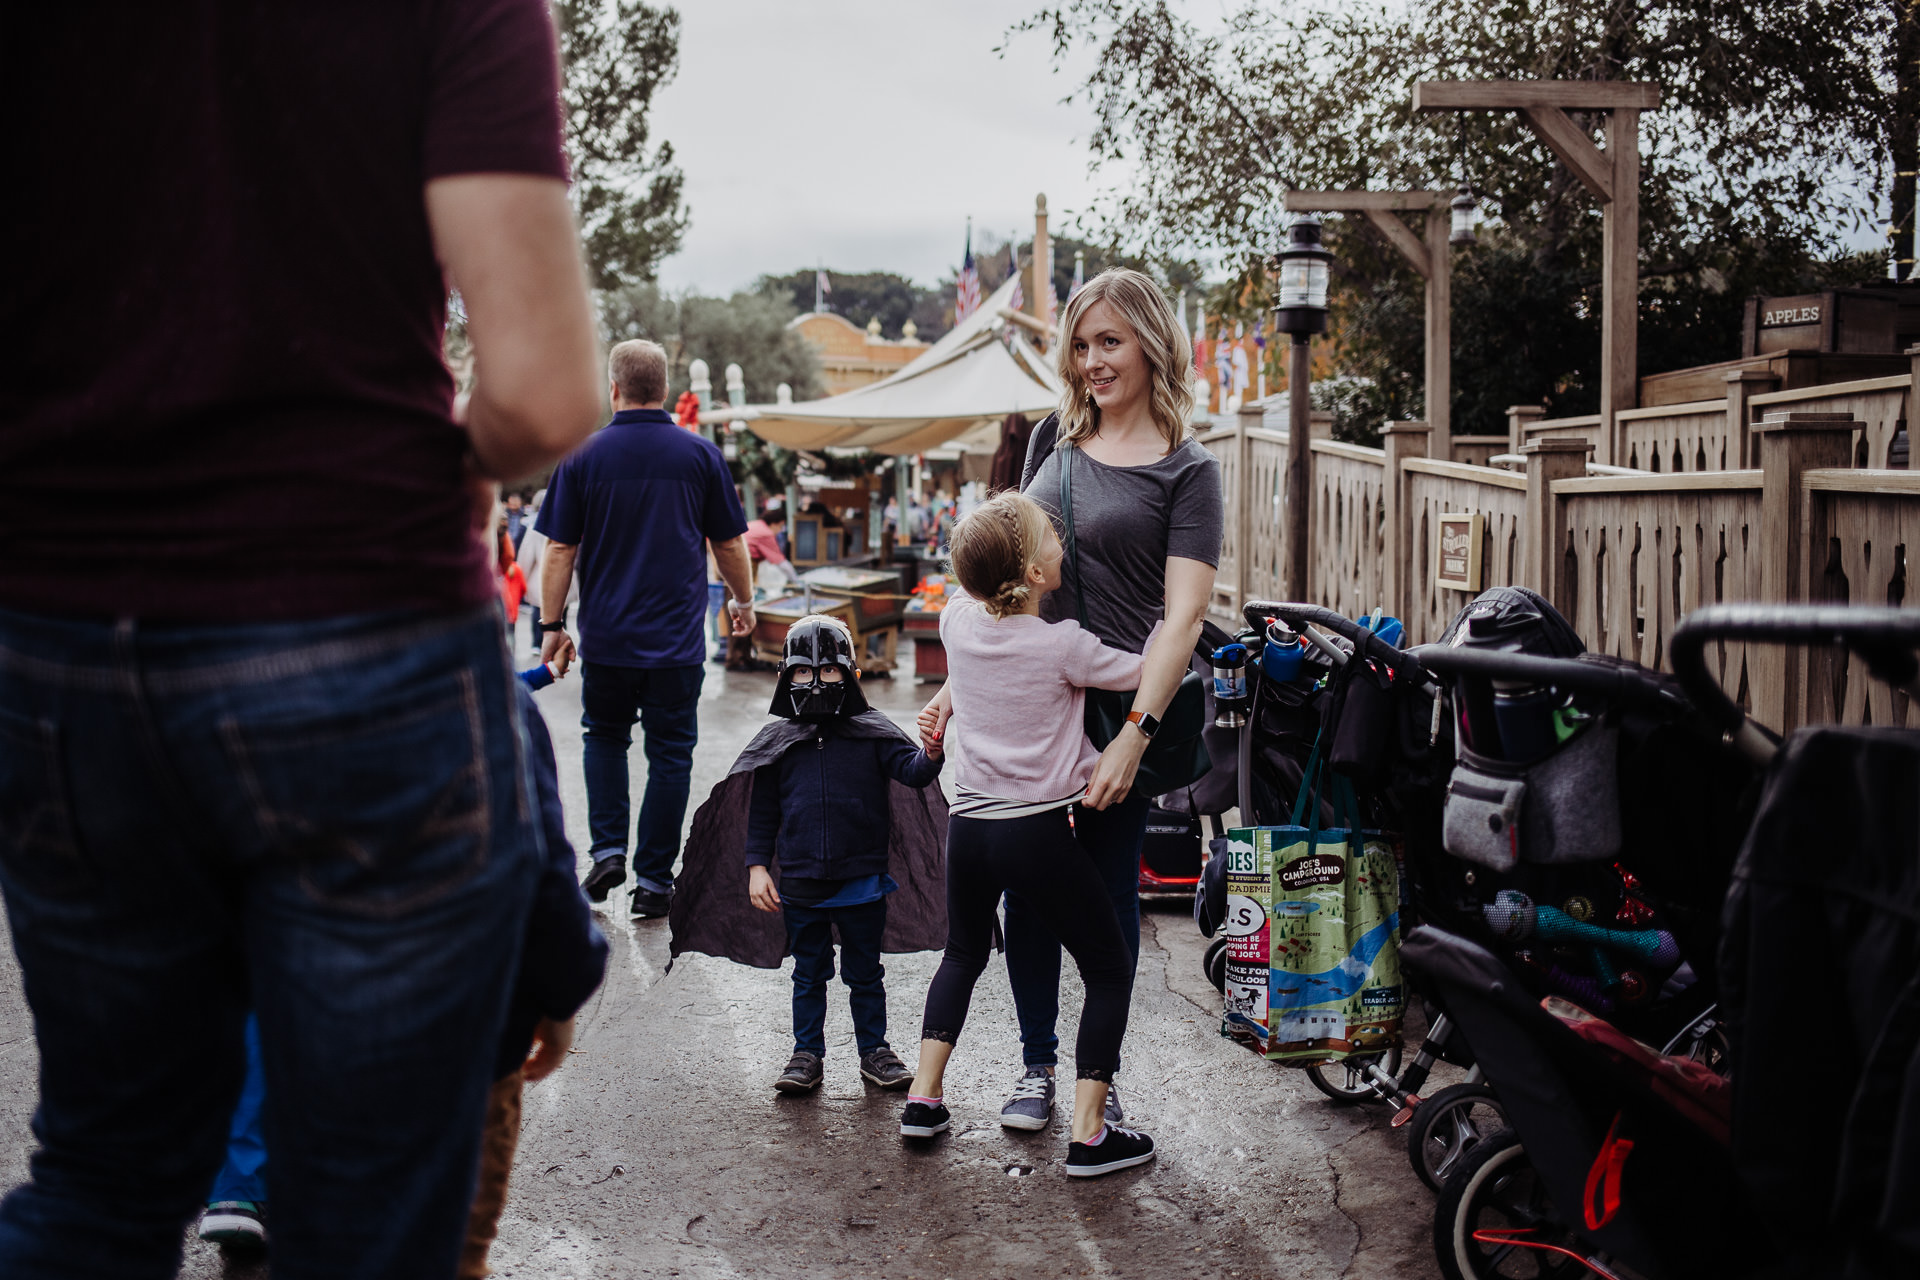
(1200, 341)
(1259, 336)
(966, 296)
(1013, 267)
(1079, 274)
(821, 288)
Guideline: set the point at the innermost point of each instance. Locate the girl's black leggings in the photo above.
(1038, 859)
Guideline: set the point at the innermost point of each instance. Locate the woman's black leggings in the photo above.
(1039, 859)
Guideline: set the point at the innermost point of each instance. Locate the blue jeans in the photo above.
(325, 821)
(666, 702)
(810, 935)
(243, 1176)
(1114, 837)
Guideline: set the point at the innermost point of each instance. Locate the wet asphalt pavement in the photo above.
(661, 1149)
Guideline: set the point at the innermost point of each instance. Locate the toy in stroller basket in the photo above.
(1623, 1160)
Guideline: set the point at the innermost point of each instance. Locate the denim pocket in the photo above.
(37, 836)
(380, 812)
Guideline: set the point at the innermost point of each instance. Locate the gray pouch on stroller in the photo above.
(1568, 805)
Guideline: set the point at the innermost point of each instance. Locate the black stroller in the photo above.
(1621, 1160)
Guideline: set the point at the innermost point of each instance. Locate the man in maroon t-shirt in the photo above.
(258, 743)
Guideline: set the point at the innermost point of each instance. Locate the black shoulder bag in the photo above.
(1176, 756)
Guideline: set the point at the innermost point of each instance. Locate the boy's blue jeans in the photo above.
(810, 936)
(1114, 836)
(243, 1175)
(666, 702)
(326, 821)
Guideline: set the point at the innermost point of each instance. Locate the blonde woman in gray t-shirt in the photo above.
(1147, 519)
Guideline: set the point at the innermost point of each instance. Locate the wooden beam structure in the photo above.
(1428, 255)
(1612, 175)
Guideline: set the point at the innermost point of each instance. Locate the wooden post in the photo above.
(1519, 417)
(1400, 441)
(1742, 386)
(1037, 277)
(1547, 461)
(1299, 494)
(1790, 444)
(1439, 299)
(1620, 281)
(1613, 176)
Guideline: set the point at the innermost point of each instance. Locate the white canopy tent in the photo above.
(972, 377)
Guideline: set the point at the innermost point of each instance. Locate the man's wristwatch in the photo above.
(548, 627)
(1147, 724)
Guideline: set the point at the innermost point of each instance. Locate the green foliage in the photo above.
(614, 55)
(748, 329)
(858, 296)
(1753, 167)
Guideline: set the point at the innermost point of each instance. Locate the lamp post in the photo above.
(737, 396)
(1301, 311)
(701, 385)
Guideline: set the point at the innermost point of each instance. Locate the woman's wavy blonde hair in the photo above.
(1169, 354)
(995, 546)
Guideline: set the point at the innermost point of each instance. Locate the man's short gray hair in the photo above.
(639, 369)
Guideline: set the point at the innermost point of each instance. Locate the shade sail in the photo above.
(974, 374)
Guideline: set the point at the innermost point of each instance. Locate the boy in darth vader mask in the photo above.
(824, 819)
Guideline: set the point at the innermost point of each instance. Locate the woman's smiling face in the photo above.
(1110, 358)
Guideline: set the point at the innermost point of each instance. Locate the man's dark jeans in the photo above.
(1114, 837)
(666, 702)
(810, 935)
(325, 820)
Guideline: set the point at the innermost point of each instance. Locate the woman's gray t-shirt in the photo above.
(1127, 521)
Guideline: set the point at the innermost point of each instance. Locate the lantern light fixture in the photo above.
(1463, 204)
(1304, 267)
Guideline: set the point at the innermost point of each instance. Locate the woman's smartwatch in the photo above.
(1147, 724)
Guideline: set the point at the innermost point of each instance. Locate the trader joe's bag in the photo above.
(1313, 935)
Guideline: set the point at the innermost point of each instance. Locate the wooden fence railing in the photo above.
(1624, 555)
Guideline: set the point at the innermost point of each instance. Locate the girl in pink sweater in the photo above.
(1021, 760)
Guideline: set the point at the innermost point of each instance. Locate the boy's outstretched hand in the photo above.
(760, 890)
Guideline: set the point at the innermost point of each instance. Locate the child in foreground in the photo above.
(1022, 760)
(836, 807)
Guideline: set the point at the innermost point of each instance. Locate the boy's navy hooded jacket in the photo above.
(564, 955)
(821, 810)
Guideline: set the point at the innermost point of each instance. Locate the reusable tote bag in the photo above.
(1313, 929)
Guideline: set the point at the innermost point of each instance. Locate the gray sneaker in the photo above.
(1114, 1114)
(1031, 1105)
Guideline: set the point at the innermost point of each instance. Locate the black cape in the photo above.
(711, 913)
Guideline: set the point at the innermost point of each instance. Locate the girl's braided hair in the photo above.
(993, 548)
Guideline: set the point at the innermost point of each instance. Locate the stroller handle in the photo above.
(1627, 685)
(1885, 638)
(1365, 643)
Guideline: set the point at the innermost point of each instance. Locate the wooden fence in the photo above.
(1624, 554)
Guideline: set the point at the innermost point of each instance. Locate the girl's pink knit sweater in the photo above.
(1019, 694)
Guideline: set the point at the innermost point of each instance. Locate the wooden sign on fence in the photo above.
(1457, 551)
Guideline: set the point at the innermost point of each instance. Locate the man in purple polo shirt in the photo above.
(635, 510)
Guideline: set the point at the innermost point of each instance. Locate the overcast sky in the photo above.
(862, 134)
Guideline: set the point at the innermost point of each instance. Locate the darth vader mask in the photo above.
(817, 679)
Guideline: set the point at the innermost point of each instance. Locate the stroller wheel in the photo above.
(1447, 1126)
(1496, 1193)
(1346, 1082)
(1215, 964)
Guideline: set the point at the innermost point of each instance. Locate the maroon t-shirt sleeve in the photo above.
(493, 101)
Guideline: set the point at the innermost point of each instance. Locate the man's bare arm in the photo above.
(556, 579)
(736, 570)
(508, 244)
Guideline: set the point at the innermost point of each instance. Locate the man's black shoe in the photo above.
(884, 1069)
(1119, 1149)
(803, 1074)
(605, 874)
(648, 905)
